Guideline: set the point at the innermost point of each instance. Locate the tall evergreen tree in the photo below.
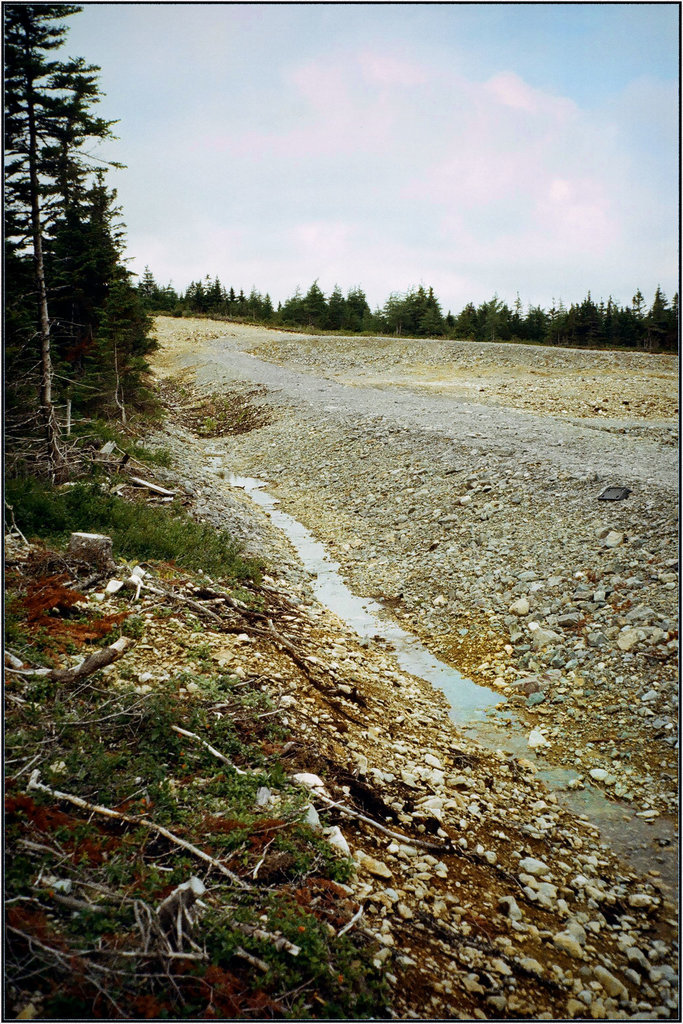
(336, 309)
(49, 123)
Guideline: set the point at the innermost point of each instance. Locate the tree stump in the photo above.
(94, 548)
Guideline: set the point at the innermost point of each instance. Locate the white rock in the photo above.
(336, 840)
(529, 964)
(520, 607)
(533, 866)
(309, 780)
(374, 867)
(263, 796)
(508, 906)
(568, 943)
(537, 739)
(611, 985)
(641, 900)
(311, 817)
(601, 775)
(542, 637)
(628, 638)
(433, 761)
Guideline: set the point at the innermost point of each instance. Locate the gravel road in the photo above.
(477, 523)
(606, 448)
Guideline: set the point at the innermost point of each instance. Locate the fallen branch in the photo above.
(11, 660)
(63, 959)
(279, 941)
(154, 488)
(356, 917)
(212, 750)
(13, 526)
(251, 959)
(93, 662)
(107, 812)
(446, 847)
(175, 916)
(181, 599)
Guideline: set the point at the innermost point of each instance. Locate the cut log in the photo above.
(92, 547)
(154, 488)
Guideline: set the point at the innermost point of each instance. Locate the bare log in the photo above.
(94, 662)
(154, 488)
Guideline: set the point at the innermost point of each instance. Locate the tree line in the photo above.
(418, 314)
(76, 328)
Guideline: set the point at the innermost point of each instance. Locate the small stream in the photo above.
(472, 707)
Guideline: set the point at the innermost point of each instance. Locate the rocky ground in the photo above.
(503, 560)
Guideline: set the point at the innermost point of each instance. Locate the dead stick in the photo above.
(408, 840)
(194, 605)
(356, 917)
(251, 959)
(107, 812)
(279, 941)
(212, 750)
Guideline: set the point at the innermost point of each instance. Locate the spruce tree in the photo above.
(48, 123)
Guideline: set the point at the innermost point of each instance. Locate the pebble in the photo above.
(374, 867)
(533, 866)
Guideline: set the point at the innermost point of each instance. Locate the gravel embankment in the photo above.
(497, 552)
(491, 542)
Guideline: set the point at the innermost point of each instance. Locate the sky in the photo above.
(480, 149)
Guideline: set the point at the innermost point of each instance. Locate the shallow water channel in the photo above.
(644, 845)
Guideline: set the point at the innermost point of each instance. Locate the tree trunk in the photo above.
(56, 463)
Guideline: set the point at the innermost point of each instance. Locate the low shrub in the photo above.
(137, 531)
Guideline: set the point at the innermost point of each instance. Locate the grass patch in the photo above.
(96, 432)
(137, 531)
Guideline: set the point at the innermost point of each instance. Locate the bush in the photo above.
(137, 531)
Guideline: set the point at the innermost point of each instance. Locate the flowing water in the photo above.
(472, 707)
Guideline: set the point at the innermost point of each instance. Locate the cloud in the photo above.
(392, 71)
(509, 90)
(385, 170)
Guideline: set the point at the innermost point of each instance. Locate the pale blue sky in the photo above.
(480, 148)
